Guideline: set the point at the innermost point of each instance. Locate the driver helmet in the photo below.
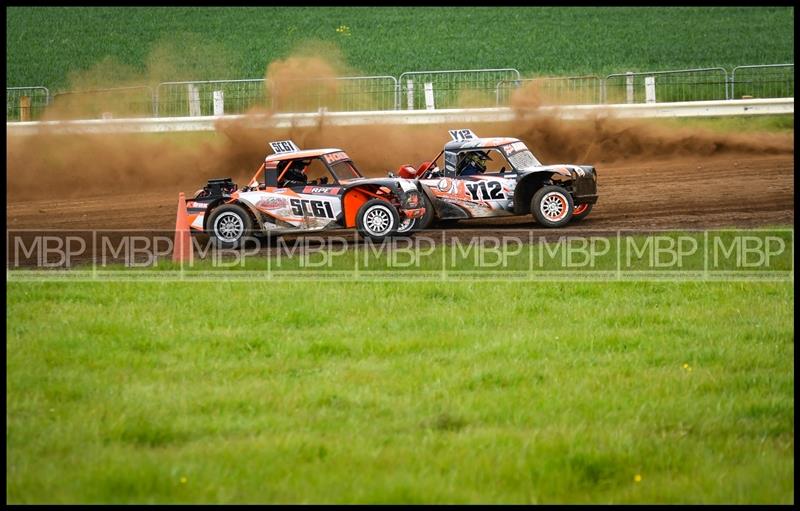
(478, 160)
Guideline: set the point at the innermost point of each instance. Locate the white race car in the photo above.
(488, 177)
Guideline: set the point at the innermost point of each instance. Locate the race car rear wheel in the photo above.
(552, 206)
(229, 226)
(581, 211)
(377, 219)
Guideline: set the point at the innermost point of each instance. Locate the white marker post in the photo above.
(219, 102)
(629, 87)
(194, 100)
(410, 92)
(429, 104)
(650, 89)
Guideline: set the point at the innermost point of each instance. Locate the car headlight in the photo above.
(411, 200)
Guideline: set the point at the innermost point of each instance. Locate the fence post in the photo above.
(650, 89)
(219, 102)
(410, 93)
(429, 103)
(629, 87)
(194, 100)
(732, 80)
(603, 98)
(24, 108)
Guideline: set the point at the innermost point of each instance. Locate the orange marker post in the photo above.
(182, 246)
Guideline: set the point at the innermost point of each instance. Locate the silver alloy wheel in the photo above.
(553, 206)
(228, 226)
(406, 225)
(377, 220)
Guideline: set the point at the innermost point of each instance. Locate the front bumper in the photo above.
(584, 188)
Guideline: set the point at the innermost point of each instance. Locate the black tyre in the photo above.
(552, 206)
(377, 219)
(409, 225)
(581, 211)
(229, 226)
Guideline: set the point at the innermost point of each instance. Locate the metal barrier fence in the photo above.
(413, 90)
(340, 94)
(26, 103)
(556, 90)
(704, 84)
(195, 98)
(135, 101)
(763, 81)
(451, 89)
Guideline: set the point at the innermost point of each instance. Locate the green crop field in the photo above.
(46, 46)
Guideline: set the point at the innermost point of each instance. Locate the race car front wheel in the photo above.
(377, 219)
(552, 206)
(229, 226)
(581, 211)
(409, 225)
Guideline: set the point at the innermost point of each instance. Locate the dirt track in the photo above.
(719, 191)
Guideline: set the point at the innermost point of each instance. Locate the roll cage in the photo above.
(455, 153)
(454, 160)
(273, 171)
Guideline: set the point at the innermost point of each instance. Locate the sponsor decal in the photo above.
(334, 157)
(514, 148)
(272, 203)
(580, 171)
(313, 208)
(445, 184)
(486, 190)
(324, 190)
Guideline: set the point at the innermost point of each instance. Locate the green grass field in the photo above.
(672, 392)
(395, 392)
(46, 45)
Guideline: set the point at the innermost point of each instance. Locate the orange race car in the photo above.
(299, 191)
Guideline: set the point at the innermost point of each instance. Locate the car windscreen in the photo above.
(344, 170)
(523, 160)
